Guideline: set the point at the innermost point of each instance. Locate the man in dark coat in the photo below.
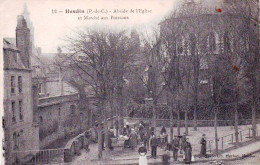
(188, 152)
(175, 147)
(146, 138)
(183, 142)
(151, 130)
(128, 130)
(154, 144)
(141, 131)
(87, 141)
(203, 149)
(110, 135)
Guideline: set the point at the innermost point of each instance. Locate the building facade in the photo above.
(20, 129)
(37, 112)
(216, 41)
(60, 117)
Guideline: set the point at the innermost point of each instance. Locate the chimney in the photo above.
(35, 99)
(23, 42)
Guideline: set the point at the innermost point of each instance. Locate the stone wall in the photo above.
(53, 87)
(60, 117)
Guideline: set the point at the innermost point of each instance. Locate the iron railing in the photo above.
(228, 141)
(46, 156)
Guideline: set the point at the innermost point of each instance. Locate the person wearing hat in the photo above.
(175, 147)
(203, 149)
(188, 152)
(183, 142)
(153, 144)
(141, 131)
(86, 141)
(110, 136)
(146, 138)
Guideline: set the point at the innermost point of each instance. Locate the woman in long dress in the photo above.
(188, 152)
(133, 139)
(203, 149)
(142, 158)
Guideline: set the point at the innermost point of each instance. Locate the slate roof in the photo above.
(13, 61)
(10, 43)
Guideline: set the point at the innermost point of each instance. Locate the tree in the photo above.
(247, 49)
(150, 70)
(92, 59)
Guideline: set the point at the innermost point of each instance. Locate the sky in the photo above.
(51, 28)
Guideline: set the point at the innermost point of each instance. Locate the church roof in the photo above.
(10, 43)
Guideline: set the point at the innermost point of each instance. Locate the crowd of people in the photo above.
(179, 144)
(144, 134)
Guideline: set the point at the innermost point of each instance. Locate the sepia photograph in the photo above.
(130, 82)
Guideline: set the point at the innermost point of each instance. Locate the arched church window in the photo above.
(203, 45)
(212, 42)
(192, 43)
(179, 44)
(227, 45)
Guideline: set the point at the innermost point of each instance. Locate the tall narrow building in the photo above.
(21, 132)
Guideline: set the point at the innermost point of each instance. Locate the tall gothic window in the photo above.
(227, 46)
(179, 44)
(212, 42)
(192, 43)
(203, 45)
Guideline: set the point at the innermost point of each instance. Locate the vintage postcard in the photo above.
(133, 82)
